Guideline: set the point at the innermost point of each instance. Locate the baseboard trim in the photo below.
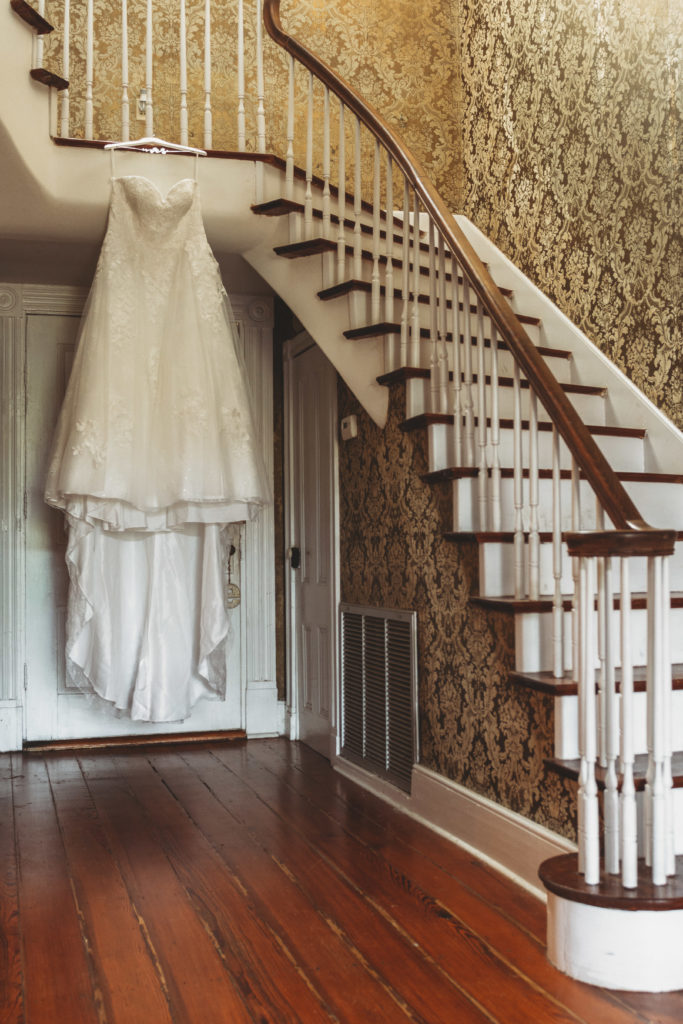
(510, 843)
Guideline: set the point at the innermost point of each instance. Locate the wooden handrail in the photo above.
(595, 467)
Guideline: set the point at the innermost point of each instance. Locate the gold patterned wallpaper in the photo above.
(571, 128)
(555, 125)
(477, 728)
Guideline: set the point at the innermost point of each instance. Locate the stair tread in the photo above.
(507, 472)
(428, 418)
(545, 603)
(31, 16)
(46, 77)
(411, 372)
(569, 769)
(546, 682)
(560, 875)
(270, 208)
(335, 291)
(395, 328)
(313, 246)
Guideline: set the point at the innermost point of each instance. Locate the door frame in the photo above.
(261, 711)
(295, 347)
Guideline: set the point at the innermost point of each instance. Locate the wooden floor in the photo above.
(249, 882)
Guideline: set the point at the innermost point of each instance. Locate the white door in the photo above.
(312, 404)
(53, 710)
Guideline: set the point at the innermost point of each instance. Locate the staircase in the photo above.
(566, 477)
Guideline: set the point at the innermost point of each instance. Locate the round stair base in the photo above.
(637, 951)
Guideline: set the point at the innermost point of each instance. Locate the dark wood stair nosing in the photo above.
(560, 876)
(544, 603)
(545, 473)
(545, 682)
(425, 419)
(49, 78)
(31, 17)
(336, 291)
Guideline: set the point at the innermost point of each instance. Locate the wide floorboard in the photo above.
(241, 882)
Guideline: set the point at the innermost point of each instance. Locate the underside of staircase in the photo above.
(298, 239)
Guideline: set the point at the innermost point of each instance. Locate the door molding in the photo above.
(254, 315)
(295, 347)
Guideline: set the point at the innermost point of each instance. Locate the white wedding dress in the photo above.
(155, 451)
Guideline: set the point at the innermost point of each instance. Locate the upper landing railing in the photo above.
(317, 121)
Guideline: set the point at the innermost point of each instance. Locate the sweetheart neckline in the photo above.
(153, 185)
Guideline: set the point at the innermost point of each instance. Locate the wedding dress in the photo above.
(155, 451)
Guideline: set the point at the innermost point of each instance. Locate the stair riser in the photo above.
(623, 453)
(534, 639)
(567, 724)
(497, 570)
(419, 399)
(466, 513)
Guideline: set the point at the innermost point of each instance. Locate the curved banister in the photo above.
(604, 481)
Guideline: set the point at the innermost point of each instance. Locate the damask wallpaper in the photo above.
(382, 49)
(571, 131)
(476, 727)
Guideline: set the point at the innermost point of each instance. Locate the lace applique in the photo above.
(121, 421)
(236, 427)
(90, 442)
(193, 412)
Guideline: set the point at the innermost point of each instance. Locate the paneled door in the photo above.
(53, 708)
(312, 403)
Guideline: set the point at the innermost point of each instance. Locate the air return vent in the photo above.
(379, 691)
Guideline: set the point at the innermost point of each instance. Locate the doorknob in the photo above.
(295, 558)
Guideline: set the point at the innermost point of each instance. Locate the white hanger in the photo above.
(151, 144)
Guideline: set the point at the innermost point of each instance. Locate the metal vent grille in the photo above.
(379, 691)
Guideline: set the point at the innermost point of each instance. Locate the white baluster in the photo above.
(602, 618)
(518, 480)
(326, 164)
(64, 129)
(38, 47)
(241, 90)
(496, 511)
(443, 347)
(534, 537)
(558, 612)
(611, 798)
(657, 608)
(468, 400)
(357, 205)
(341, 200)
(668, 715)
(405, 276)
(483, 477)
(589, 835)
(149, 53)
(457, 367)
(576, 526)
(208, 126)
(433, 324)
(629, 819)
(308, 200)
(389, 246)
(89, 71)
(125, 99)
(416, 359)
(184, 130)
(375, 300)
(260, 86)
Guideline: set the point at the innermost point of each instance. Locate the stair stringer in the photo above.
(297, 282)
(626, 404)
